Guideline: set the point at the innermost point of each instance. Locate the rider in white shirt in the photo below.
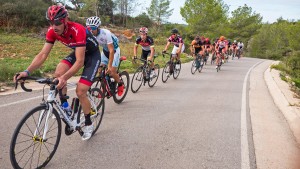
(110, 54)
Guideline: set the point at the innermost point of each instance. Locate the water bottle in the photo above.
(67, 108)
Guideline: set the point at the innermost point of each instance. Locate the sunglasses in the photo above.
(174, 34)
(92, 27)
(56, 22)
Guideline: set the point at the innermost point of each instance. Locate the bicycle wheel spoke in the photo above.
(24, 141)
(28, 150)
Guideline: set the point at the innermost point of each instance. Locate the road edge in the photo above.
(283, 105)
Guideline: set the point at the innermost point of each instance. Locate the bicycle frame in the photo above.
(73, 123)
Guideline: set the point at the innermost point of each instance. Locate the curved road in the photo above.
(191, 122)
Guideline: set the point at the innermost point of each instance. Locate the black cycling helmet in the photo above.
(174, 31)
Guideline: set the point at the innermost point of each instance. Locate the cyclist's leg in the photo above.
(91, 65)
(115, 65)
(62, 68)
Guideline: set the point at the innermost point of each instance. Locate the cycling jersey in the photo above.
(75, 36)
(234, 45)
(176, 41)
(196, 44)
(221, 44)
(146, 44)
(105, 37)
(207, 43)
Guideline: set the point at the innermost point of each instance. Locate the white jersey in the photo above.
(105, 37)
(240, 45)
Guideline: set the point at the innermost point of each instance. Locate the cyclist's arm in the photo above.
(167, 46)
(180, 46)
(135, 49)
(152, 52)
(80, 55)
(40, 58)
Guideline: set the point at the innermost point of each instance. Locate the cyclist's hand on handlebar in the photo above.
(19, 76)
(62, 82)
(164, 51)
(108, 70)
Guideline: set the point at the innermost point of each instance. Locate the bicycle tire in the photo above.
(36, 142)
(124, 77)
(137, 79)
(97, 119)
(166, 72)
(153, 81)
(194, 67)
(176, 70)
(201, 65)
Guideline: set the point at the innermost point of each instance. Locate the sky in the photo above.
(270, 10)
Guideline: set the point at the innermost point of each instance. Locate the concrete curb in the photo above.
(284, 106)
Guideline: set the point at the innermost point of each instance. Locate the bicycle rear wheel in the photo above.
(194, 67)
(153, 79)
(177, 69)
(120, 96)
(137, 80)
(27, 147)
(166, 73)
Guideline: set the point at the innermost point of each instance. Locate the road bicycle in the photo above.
(108, 86)
(144, 74)
(197, 64)
(219, 61)
(37, 136)
(172, 67)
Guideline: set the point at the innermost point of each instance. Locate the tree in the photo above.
(159, 11)
(205, 17)
(244, 23)
(125, 8)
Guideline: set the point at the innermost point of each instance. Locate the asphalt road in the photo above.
(191, 122)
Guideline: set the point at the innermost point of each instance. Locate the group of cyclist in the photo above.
(202, 46)
(85, 42)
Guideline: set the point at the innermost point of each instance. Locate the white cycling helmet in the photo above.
(93, 21)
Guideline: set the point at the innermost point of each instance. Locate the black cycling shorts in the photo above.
(145, 54)
(197, 50)
(91, 63)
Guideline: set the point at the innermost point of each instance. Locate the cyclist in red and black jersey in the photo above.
(178, 43)
(86, 54)
(147, 44)
(234, 47)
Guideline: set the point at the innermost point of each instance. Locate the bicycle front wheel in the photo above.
(119, 96)
(194, 67)
(137, 80)
(166, 73)
(154, 78)
(177, 69)
(28, 149)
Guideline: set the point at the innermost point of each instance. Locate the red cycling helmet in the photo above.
(143, 30)
(56, 12)
(207, 39)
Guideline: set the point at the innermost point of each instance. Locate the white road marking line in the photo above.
(26, 100)
(245, 163)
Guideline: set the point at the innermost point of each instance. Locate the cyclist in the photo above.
(86, 54)
(197, 48)
(178, 44)
(221, 49)
(147, 44)
(110, 55)
(234, 47)
(207, 47)
(240, 47)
